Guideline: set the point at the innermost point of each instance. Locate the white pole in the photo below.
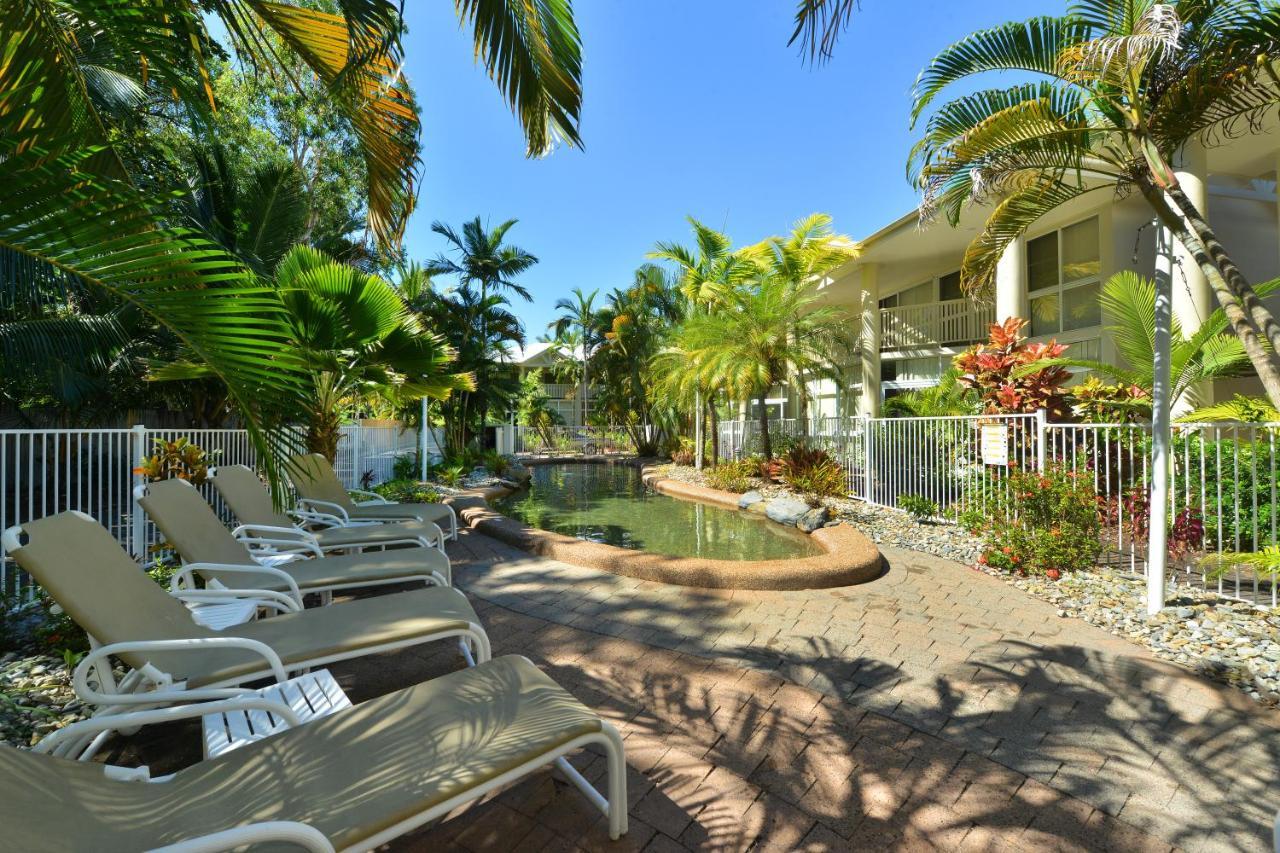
(698, 429)
(1157, 548)
(422, 440)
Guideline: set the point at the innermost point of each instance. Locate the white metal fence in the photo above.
(92, 470)
(1222, 497)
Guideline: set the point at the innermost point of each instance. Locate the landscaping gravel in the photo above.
(35, 698)
(1229, 641)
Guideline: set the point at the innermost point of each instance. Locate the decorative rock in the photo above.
(786, 511)
(750, 499)
(813, 519)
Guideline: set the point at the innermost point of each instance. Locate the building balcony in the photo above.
(946, 323)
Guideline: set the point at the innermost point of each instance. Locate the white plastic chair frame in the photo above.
(613, 804)
(335, 515)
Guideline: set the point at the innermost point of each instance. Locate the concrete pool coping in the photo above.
(848, 557)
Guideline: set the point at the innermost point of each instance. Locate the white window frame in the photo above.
(1062, 288)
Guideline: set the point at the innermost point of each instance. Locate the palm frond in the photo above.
(276, 214)
(533, 52)
(819, 24)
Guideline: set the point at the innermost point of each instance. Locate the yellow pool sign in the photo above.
(995, 444)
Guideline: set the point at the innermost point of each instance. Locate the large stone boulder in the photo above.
(750, 499)
(786, 511)
(518, 472)
(813, 519)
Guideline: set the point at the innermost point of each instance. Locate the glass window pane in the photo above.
(1042, 262)
(921, 294)
(1080, 251)
(888, 371)
(1080, 307)
(889, 301)
(1044, 315)
(949, 287)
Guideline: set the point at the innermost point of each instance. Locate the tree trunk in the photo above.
(1244, 324)
(765, 443)
(323, 432)
(1235, 280)
(715, 432)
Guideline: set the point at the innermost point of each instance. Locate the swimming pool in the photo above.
(610, 504)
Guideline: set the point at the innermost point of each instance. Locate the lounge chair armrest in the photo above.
(325, 507)
(308, 516)
(284, 576)
(264, 597)
(88, 664)
(369, 498)
(63, 740)
(277, 540)
(290, 832)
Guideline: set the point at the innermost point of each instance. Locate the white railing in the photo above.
(45, 471)
(953, 321)
(1223, 495)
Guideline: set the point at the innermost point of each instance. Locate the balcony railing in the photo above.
(954, 321)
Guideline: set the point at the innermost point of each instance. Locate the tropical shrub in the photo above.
(921, 508)
(683, 454)
(733, 476)
(451, 475)
(1053, 526)
(996, 372)
(495, 463)
(1264, 563)
(812, 471)
(407, 490)
(406, 466)
(178, 459)
(973, 520)
(1095, 402)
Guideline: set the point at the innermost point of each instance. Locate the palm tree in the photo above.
(356, 338)
(579, 325)
(809, 252)
(483, 262)
(764, 335)
(711, 270)
(1128, 302)
(1122, 86)
(73, 216)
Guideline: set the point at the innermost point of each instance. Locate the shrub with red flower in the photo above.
(992, 369)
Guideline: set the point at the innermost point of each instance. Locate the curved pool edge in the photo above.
(849, 558)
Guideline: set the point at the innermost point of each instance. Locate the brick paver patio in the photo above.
(935, 708)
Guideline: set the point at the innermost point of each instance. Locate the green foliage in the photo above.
(732, 476)
(812, 471)
(1095, 402)
(1052, 525)
(451, 474)
(406, 466)
(1264, 563)
(972, 520)
(920, 508)
(946, 398)
(1242, 409)
(407, 490)
(495, 463)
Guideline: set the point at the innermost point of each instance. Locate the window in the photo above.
(949, 287)
(1063, 270)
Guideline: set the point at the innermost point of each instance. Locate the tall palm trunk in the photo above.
(323, 431)
(714, 422)
(1192, 230)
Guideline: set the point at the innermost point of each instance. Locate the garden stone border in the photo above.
(848, 556)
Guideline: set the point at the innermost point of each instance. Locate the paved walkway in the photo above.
(935, 708)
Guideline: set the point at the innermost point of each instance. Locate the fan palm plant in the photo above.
(947, 397)
(1128, 303)
(1123, 85)
(356, 338)
(763, 335)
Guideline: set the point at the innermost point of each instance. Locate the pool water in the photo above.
(611, 504)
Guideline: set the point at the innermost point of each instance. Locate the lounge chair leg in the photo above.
(465, 648)
(617, 759)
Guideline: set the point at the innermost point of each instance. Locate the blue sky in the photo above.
(690, 107)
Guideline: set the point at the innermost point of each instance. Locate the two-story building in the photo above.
(911, 317)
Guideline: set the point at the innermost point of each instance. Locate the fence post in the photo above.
(869, 460)
(1042, 422)
(137, 518)
(356, 448)
(423, 430)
